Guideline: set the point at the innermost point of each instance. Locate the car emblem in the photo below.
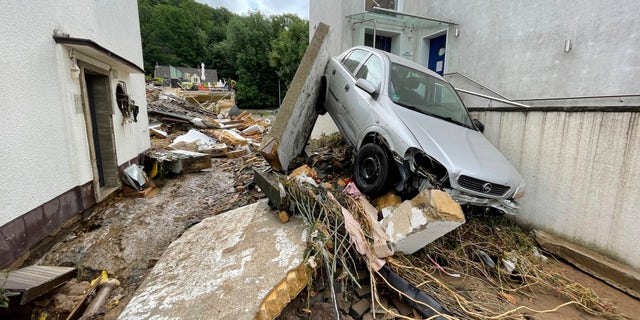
(486, 188)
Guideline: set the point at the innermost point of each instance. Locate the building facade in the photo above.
(573, 71)
(74, 112)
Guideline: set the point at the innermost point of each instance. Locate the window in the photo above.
(384, 4)
(353, 60)
(371, 70)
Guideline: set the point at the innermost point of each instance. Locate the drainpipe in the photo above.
(106, 286)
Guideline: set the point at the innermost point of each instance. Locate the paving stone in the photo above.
(360, 308)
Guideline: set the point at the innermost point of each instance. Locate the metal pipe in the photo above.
(106, 286)
(492, 98)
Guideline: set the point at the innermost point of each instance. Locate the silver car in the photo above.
(411, 130)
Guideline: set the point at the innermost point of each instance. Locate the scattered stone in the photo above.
(359, 308)
(363, 291)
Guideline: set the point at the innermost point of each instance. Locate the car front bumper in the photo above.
(504, 205)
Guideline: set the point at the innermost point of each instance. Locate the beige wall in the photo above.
(581, 170)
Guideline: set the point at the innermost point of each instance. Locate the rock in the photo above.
(360, 308)
(421, 220)
(390, 199)
(322, 311)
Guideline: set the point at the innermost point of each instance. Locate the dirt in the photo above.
(126, 236)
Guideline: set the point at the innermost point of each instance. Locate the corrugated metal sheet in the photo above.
(34, 281)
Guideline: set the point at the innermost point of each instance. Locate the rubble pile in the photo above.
(185, 136)
(488, 267)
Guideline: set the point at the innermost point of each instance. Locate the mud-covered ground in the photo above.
(126, 236)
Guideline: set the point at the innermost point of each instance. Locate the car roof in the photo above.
(399, 60)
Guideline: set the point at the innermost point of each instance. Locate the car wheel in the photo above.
(371, 169)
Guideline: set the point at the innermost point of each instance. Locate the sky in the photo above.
(267, 7)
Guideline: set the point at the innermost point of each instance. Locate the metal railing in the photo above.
(492, 98)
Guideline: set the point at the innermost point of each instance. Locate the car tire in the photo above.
(371, 170)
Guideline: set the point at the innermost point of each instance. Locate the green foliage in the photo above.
(289, 47)
(255, 50)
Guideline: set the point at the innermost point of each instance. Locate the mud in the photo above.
(126, 236)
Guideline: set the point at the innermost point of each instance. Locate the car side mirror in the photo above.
(478, 125)
(367, 86)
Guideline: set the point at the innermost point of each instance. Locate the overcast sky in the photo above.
(267, 7)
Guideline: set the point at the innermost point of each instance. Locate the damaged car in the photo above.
(411, 130)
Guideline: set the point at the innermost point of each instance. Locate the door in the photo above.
(98, 114)
(437, 50)
(340, 82)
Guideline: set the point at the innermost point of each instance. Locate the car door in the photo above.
(364, 111)
(341, 83)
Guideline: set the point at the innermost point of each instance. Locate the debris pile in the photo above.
(416, 258)
(185, 136)
(487, 268)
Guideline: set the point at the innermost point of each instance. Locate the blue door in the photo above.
(437, 50)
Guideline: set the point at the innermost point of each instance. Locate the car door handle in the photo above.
(346, 87)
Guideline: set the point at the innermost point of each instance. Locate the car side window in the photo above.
(353, 60)
(371, 70)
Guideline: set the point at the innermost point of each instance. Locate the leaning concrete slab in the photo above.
(226, 267)
(297, 115)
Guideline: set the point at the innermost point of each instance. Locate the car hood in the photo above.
(461, 150)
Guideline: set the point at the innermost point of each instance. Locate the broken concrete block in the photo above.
(195, 141)
(253, 129)
(216, 150)
(421, 220)
(304, 170)
(391, 199)
(239, 152)
(231, 137)
(297, 114)
(191, 161)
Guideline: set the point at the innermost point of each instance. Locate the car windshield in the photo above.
(426, 94)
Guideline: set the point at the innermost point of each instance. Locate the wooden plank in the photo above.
(34, 281)
(595, 264)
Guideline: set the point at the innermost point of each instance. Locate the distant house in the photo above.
(75, 122)
(186, 74)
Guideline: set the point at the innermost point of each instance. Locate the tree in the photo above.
(178, 32)
(289, 46)
(248, 44)
(254, 50)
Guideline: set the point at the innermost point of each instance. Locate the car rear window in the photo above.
(353, 60)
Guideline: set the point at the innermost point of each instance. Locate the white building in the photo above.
(70, 70)
(577, 65)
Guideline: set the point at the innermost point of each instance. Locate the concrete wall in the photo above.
(516, 47)
(44, 140)
(581, 170)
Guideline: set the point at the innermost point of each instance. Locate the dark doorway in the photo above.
(100, 131)
(437, 50)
